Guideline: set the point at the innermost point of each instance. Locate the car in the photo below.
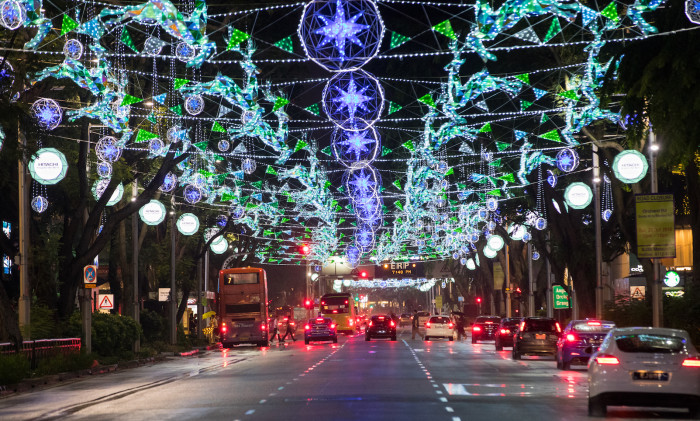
(381, 327)
(536, 336)
(484, 328)
(423, 316)
(579, 340)
(405, 319)
(506, 330)
(320, 329)
(644, 366)
(439, 327)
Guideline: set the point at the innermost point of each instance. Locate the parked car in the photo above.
(506, 330)
(536, 336)
(579, 340)
(644, 366)
(439, 327)
(484, 328)
(320, 329)
(381, 327)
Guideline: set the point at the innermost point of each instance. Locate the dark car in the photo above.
(485, 328)
(536, 336)
(580, 340)
(405, 319)
(381, 327)
(506, 330)
(320, 329)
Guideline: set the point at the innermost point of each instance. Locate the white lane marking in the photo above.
(449, 409)
(439, 392)
(281, 387)
(263, 400)
(456, 419)
(250, 411)
(443, 399)
(272, 394)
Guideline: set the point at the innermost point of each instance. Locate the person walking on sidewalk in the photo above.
(414, 326)
(289, 330)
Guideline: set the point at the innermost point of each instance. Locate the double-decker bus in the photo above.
(340, 307)
(243, 314)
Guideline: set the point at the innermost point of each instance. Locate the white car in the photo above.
(644, 366)
(439, 327)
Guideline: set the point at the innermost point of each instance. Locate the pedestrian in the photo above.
(414, 326)
(273, 330)
(289, 330)
(459, 324)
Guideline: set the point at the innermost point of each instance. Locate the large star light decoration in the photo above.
(356, 143)
(352, 99)
(339, 30)
(363, 183)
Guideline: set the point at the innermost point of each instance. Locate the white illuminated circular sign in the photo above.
(489, 252)
(48, 166)
(578, 195)
(152, 213)
(99, 187)
(672, 279)
(630, 166)
(187, 224)
(219, 246)
(495, 242)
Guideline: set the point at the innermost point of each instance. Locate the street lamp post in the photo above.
(508, 291)
(656, 301)
(173, 294)
(598, 235)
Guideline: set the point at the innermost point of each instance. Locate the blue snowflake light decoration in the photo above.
(104, 169)
(237, 212)
(169, 182)
(48, 113)
(192, 194)
(567, 160)
(248, 166)
(185, 52)
(353, 100)
(107, 149)
(73, 49)
(194, 104)
(12, 14)
(341, 35)
(40, 204)
(692, 10)
(221, 220)
(354, 147)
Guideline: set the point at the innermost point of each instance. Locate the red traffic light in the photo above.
(478, 300)
(304, 249)
(308, 303)
(363, 274)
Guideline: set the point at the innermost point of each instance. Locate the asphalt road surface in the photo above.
(351, 380)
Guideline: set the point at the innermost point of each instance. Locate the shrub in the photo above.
(43, 322)
(112, 334)
(628, 312)
(13, 368)
(153, 325)
(62, 363)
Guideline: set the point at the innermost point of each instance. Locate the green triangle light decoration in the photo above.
(552, 135)
(486, 128)
(397, 183)
(301, 144)
(397, 39)
(201, 145)
(450, 171)
(570, 94)
(152, 118)
(68, 24)
(129, 99)
(257, 184)
(393, 107)
(237, 37)
(398, 205)
(409, 145)
(327, 151)
(508, 177)
(314, 109)
(216, 127)
(179, 83)
(524, 105)
(554, 29)
(525, 78)
(501, 146)
(494, 192)
(445, 28)
(177, 109)
(610, 12)
(126, 40)
(495, 163)
(427, 99)
(285, 44)
(270, 171)
(386, 151)
(144, 135)
(279, 103)
(227, 197)
(544, 119)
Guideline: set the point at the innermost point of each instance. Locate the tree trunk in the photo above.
(9, 325)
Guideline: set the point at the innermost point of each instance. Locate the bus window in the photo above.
(335, 305)
(241, 278)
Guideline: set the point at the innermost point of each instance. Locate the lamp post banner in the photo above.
(656, 235)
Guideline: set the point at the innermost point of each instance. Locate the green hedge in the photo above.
(112, 334)
(13, 368)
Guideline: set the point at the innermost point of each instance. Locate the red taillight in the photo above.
(605, 359)
(558, 327)
(224, 328)
(332, 325)
(691, 362)
(380, 318)
(450, 325)
(571, 337)
(427, 324)
(522, 326)
(350, 322)
(323, 302)
(320, 319)
(593, 323)
(370, 323)
(476, 329)
(286, 318)
(489, 323)
(335, 311)
(292, 323)
(505, 331)
(262, 326)
(346, 301)
(307, 327)
(392, 324)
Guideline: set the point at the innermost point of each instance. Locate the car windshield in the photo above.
(650, 343)
(540, 326)
(440, 320)
(488, 320)
(592, 326)
(510, 323)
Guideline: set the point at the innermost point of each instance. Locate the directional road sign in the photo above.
(561, 297)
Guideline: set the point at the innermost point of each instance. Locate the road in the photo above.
(351, 380)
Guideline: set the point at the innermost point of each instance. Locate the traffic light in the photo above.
(309, 304)
(304, 249)
(364, 274)
(478, 300)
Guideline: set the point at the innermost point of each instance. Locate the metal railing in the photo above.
(43, 348)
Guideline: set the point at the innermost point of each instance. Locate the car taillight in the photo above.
(392, 324)
(558, 327)
(335, 311)
(427, 324)
(307, 327)
(320, 319)
(224, 328)
(593, 323)
(691, 362)
(476, 329)
(262, 326)
(571, 337)
(505, 331)
(370, 323)
(450, 325)
(350, 322)
(285, 319)
(522, 326)
(332, 325)
(605, 359)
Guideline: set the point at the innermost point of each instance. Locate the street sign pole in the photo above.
(87, 319)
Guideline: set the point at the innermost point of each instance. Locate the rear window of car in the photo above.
(510, 323)
(650, 343)
(540, 326)
(380, 318)
(592, 327)
(423, 314)
(488, 319)
(440, 320)
(325, 320)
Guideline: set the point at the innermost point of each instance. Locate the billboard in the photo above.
(656, 236)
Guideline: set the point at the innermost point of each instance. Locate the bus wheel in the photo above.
(264, 343)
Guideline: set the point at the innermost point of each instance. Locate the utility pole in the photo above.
(25, 293)
(200, 307)
(135, 263)
(173, 293)
(656, 301)
(550, 294)
(598, 235)
(508, 291)
(531, 293)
